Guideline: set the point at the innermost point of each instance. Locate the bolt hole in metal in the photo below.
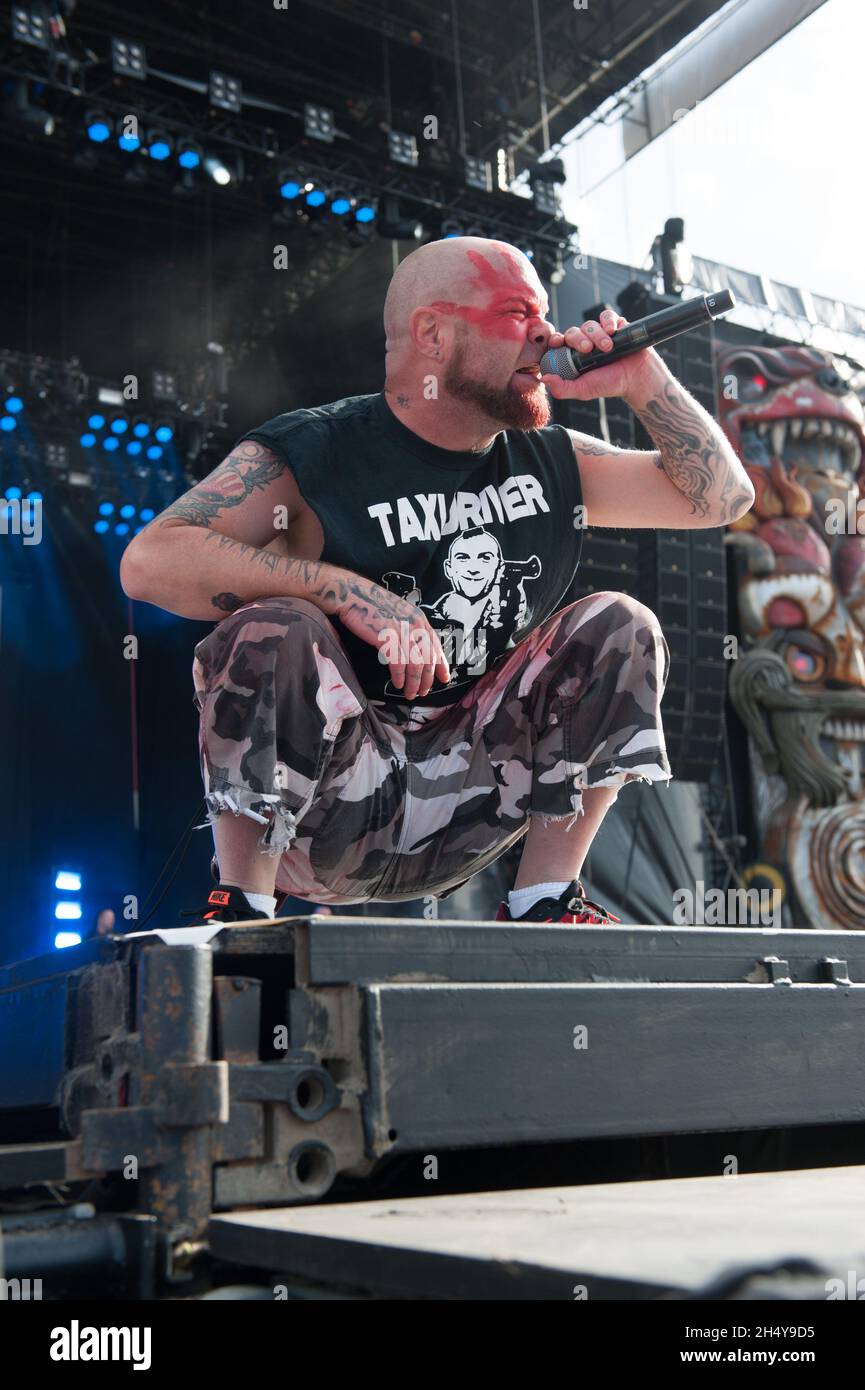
(309, 1093)
(312, 1168)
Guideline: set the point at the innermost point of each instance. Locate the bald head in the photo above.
(459, 271)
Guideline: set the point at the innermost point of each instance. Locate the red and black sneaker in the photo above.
(225, 904)
(573, 907)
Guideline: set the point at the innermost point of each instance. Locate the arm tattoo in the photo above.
(594, 448)
(249, 466)
(691, 454)
(227, 603)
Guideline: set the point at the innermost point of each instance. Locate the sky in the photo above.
(767, 173)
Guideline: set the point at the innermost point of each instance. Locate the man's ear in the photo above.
(425, 332)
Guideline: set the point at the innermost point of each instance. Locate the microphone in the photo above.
(655, 328)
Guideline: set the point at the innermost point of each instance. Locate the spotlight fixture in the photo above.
(30, 24)
(56, 455)
(189, 155)
(671, 258)
(365, 211)
(128, 58)
(218, 171)
(128, 139)
(557, 272)
(225, 92)
(341, 203)
(289, 185)
(402, 148)
(98, 127)
(164, 385)
(477, 173)
(318, 123)
(451, 228)
(20, 108)
(545, 178)
(159, 145)
(394, 224)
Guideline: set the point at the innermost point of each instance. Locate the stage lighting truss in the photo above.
(225, 92)
(402, 148)
(318, 123)
(128, 58)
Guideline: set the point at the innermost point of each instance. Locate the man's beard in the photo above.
(506, 405)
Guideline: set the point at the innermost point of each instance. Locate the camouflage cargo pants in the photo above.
(367, 800)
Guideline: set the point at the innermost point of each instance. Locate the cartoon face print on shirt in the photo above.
(485, 604)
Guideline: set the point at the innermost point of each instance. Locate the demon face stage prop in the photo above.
(796, 421)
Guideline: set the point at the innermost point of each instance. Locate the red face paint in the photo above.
(507, 289)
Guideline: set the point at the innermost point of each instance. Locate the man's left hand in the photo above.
(622, 377)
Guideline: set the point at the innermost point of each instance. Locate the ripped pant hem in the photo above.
(615, 777)
(279, 821)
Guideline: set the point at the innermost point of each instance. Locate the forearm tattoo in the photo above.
(248, 467)
(692, 452)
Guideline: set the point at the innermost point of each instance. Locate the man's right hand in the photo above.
(400, 631)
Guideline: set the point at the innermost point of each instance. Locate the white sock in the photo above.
(260, 902)
(521, 899)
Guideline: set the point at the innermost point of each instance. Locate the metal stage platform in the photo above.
(758, 1235)
(267, 1066)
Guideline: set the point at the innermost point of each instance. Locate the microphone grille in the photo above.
(558, 362)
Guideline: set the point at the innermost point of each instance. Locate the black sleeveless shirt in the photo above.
(486, 543)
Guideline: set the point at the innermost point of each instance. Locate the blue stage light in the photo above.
(14, 404)
(122, 528)
(146, 514)
(127, 510)
(100, 527)
(119, 425)
(12, 493)
(365, 211)
(164, 433)
(98, 129)
(154, 452)
(159, 146)
(34, 497)
(8, 422)
(340, 206)
(62, 939)
(141, 429)
(110, 443)
(68, 881)
(67, 911)
(133, 447)
(130, 143)
(315, 198)
(289, 188)
(96, 421)
(189, 155)
(87, 441)
(106, 508)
